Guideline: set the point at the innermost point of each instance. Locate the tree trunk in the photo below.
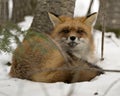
(113, 13)
(41, 22)
(110, 8)
(3, 11)
(22, 8)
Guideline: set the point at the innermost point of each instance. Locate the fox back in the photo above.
(36, 59)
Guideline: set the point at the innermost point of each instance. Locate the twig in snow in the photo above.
(110, 37)
(115, 42)
(3, 94)
(111, 86)
(71, 90)
(45, 90)
(103, 28)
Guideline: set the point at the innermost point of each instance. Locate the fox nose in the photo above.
(72, 38)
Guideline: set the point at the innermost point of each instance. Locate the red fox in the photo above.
(40, 58)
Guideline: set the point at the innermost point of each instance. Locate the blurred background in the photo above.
(12, 12)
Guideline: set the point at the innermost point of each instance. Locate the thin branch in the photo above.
(90, 6)
(3, 94)
(103, 28)
(111, 86)
(71, 90)
(114, 42)
(45, 90)
(110, 37)
(108, 70)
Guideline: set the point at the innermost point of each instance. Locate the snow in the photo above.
(10, 6)
(104, 85)
(25, 25)
(81, 7)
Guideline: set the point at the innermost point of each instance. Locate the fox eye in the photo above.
(65, 31)
(80, 31)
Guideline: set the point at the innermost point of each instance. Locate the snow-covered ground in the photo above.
(98, 86)
(107, 84)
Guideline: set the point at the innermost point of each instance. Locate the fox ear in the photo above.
(54, 19)
(90, 19)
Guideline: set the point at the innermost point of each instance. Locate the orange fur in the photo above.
(37, 55)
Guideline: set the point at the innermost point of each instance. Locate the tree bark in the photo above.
(112, 14)
(3, 11)
(22, 8)
(41, 21)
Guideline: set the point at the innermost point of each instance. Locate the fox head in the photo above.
(74, 34)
